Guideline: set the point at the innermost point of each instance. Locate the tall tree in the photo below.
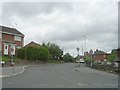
(78, 49)
(112, 56)
(54, 50)
(68, 58)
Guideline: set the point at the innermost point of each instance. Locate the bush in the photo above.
(34, 53)
(21, 53)
(68, 58)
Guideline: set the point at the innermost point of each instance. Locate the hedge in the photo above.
(33, 53)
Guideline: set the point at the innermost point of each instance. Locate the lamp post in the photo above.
(91, 53)
(84, 38)
(12, 63)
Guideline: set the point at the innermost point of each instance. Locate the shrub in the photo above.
(34, 53)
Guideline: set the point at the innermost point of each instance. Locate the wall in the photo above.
(100, 57)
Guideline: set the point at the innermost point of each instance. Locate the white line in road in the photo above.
(81, 84)
(110, 84)
(10, 83)
(43, 84)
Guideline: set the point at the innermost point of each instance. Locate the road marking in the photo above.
(10, 83)
(43, 84)
(80, 84)
(110, 84)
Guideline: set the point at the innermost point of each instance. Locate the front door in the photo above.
(5, 49)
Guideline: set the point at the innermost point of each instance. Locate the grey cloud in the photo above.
(29, 9)
(65, 23)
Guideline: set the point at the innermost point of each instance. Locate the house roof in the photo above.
(99, 52)
(9, 30)
(32, 43)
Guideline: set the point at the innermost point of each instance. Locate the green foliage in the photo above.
(34, 53)
(87, 58)
(5, 58)
(112, 56)
(68, 58)
(55, 51)
(21, 53)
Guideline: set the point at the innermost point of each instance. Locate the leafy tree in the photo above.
(54, 50)
(87, 58)
(78, 49)
(68, 58)
(112, 56)
(43, 44)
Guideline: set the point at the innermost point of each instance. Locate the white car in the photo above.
(82, 61)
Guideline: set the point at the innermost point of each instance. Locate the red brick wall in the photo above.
(11, 38)
(8, 37)
(100, 57)
(118, 52)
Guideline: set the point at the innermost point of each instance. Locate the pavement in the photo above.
(84, 69)
(11, 71)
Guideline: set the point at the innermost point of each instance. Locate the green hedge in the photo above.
(34, 53)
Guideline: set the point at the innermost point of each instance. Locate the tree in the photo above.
(78, 49)
(54, 50)
(87, 58)
(43, 44)
(68, 58)
(112, 56)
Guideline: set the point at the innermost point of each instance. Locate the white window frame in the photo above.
(18, 47)
(6, 49)
(17, 38)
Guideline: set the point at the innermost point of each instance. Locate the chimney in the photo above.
(96, 49)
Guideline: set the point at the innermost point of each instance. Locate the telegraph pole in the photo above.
(84, 39)
(12, 63)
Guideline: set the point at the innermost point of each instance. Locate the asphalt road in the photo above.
(61, 76)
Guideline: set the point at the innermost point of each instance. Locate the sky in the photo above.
(87, 25)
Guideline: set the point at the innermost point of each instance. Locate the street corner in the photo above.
(12, 71)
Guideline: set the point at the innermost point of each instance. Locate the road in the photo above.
(61, 76)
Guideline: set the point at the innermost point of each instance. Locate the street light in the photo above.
(84, 38)
(12, 53)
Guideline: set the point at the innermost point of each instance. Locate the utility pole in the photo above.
(84, 39)
(12, 63)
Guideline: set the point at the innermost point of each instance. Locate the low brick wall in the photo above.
(103, 67)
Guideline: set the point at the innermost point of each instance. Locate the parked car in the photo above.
(82, 61)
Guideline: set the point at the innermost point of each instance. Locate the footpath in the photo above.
(83, 69)
(11, 71)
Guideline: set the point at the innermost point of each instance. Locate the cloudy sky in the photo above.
(65, 23)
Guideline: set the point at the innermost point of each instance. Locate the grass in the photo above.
(6, 58)
(18, 61)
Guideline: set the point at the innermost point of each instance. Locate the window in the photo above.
(17, 38)
(5, 47)
(18, 47)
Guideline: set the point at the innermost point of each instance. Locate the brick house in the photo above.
(12, 40)
(118, 52)
(99, 55)
(33, 44)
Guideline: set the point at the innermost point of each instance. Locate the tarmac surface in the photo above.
(66, 75)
